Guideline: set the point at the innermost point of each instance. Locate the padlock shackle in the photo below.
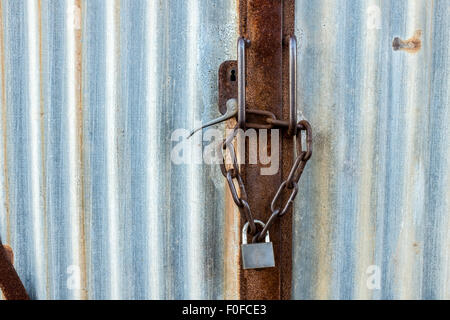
(245, 228)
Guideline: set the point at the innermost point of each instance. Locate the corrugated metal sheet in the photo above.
(91, 92)
(376, 192)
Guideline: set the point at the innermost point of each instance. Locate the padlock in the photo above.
(257, 255)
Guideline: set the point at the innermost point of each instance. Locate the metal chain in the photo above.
(289, 186)
(233, 174)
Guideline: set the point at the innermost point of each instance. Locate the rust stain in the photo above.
(416, 247)
(323, 175)
(44, 172)
(287, 147)
(4, 129)
(227, 90)
(9, 253)
(264, 23)
(79, 105)
(10, 257)
(411, 45)
(231, 250)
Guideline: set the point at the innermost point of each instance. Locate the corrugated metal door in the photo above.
(93, 206)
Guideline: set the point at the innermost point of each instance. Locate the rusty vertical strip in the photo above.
(4, 127)
(227, 89)
(78, 17)
(266, 23)
(43, 144)
(231, 249)
(287, 152)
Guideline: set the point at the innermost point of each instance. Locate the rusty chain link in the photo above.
(289, 186)
(232, 174)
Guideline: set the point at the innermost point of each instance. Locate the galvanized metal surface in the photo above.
(91, 92)
(377, 190)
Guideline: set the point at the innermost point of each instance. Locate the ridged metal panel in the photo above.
(92, 90)
(377, 190)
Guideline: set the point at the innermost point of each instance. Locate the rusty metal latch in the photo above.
(259, 255)
(238, 109)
